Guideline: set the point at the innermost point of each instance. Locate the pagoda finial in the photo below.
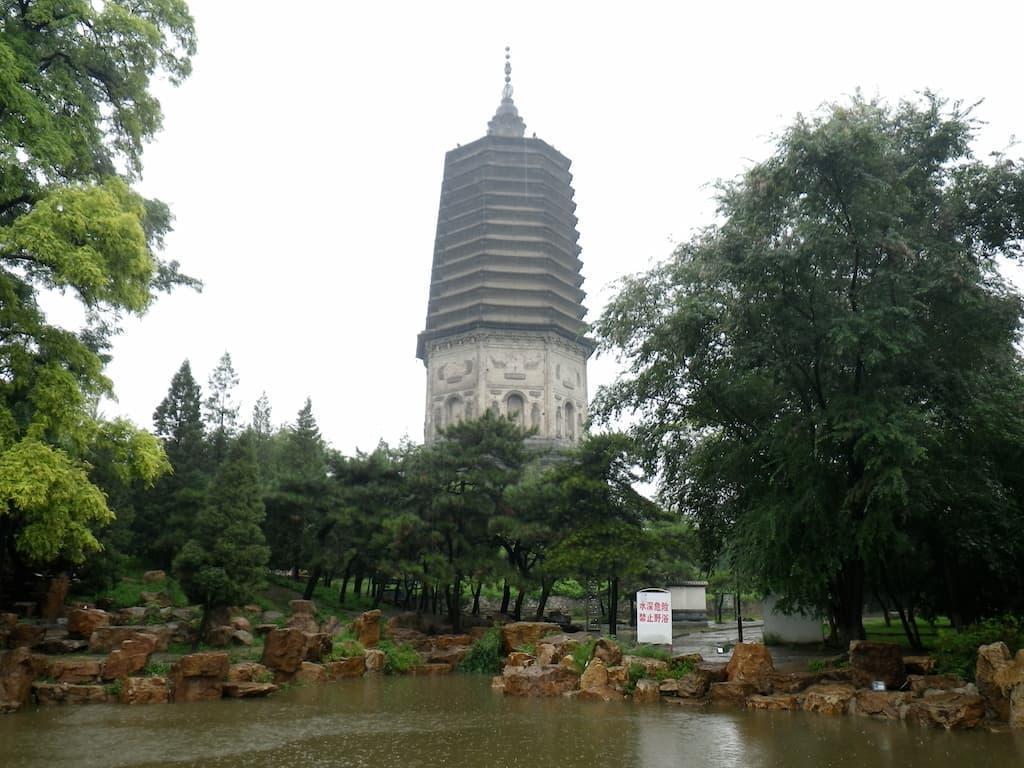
(506, 93)
(506, 121)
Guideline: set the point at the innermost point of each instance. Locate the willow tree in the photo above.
(75, 110)
(827, 378)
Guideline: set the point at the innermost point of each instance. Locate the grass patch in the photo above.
(485, 655)
(157, 669)
(325, 598)
(650, 652)
(127, 593)
(957, 652)
(398, 657)
(346, 646)
(114, 688)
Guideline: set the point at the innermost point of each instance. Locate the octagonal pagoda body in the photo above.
(504, 328)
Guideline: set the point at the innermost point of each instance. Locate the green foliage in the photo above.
(651, 652)
(485, 655)
(827, 381)
(127, 591)
(528, 648)
(957, 652)
(226, 558)
(157, 669)
(771, 639)
(398, 657)
(115, 688)
(345, 647)
(583, 653)
(74, 84)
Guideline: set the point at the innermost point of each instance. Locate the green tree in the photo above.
(225, 559)
(166, 512)
(455, 486)
(221, 410)
(298, 505)
(829, 374)
(605, 518)
(74, 79)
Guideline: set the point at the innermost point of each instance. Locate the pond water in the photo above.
(459, 721)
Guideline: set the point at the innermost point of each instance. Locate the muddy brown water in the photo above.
(459, 721)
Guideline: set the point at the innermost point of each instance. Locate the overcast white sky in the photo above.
(303, 160)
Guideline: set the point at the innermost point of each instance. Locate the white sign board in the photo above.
(654, 616)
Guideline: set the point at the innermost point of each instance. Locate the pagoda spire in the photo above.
(506, 121)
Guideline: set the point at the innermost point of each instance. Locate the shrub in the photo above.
(398, 658)
(583, 653)
(530, 648)
(651, 652)
(957, 652)
(345, 647)
(485, 655)
(770, 638)
(157, 669)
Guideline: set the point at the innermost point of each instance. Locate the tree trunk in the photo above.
(739, 619)
(613, 606)
(344, 587)
(311, 583)
(476, 597)
(517, 612)
(358, 587)
(545, 592)
(506, 596)
(203, 626)
(848, 592)
(885, 607)
(632, 609)
(454, 605)
(719, 607)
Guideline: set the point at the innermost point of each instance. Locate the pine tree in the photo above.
(226, 557)
(165, 513)
(221, 408)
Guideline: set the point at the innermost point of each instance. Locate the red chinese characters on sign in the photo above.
(654, 617)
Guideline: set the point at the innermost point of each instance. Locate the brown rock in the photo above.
(714, 669)
(919, 684)
(263, 629)
(539, 681)
(688, 658)
(310, 673)
(200, 676)
(331, 626)
(367, 628)
(131, 657)
(144, 690)
(248, 672)
(75, 671)
(522, 633)
(426, 670)
(284, 650)
(453, 655)
(877, 661)
(375, 660)
(991, 659)
(319, 646)
(546, 654)
(788, 702)
(205, 664)
(618, 676)
(48, 694)
(595, 675)
(56, 594)
(608, 651)
(158, 599)
(353, 666)
(104, 639)
(243, 690)
(61, 645)
(601, 693)
(949, 710)
(568, 662)
(26, 635)
(154, 577)
(1010, 681)
(792, 682)
(16, 676)
(735, 693)
(127, 617)
(299, 607)
(829, 698)
(919, 665)
(647, 691)
(519, 659)
(303, 622)
(669, 687)
(694, 685)
(884, 705)
(651, 667)
(751, 663)
(242, 623)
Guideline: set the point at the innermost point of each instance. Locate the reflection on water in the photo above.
(458, 721)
